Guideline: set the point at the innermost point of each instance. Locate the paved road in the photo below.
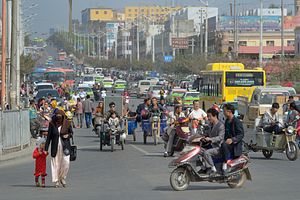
(140, 172)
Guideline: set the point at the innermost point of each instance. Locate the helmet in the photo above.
(216, 107)
(69, 115)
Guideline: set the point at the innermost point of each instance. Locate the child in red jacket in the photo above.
(40, 162)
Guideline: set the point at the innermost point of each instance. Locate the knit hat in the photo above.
(40, 140)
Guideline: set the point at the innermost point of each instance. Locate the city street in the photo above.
(141, 172)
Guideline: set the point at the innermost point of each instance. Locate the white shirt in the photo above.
(75, 97)
(197, 114)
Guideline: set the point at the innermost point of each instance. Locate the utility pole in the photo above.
(261, 34)
(282, 31)
(18, 56)
(173, 29)
(3, 58)
(70, 16)
(201, 31)
(153, 49)
(235, 31)
(116, 46)
(8, 51)
(137, 41)
(206, 29)
(14, 53)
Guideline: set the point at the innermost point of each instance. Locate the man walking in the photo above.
(88, 110)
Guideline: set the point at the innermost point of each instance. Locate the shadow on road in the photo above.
(263, 158)
(30, 186)
(194, 187)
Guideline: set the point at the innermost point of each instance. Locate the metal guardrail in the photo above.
(14, 130)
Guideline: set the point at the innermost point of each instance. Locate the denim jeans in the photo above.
(88, 119)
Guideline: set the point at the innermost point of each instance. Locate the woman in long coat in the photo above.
(59, 134)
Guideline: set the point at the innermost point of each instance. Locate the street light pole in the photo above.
(282, 31)
(3, 58)
(261, 34)
(206, 30)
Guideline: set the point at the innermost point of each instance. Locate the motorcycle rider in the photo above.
(155, 107)
(214, 135)
(197, 112)
(173, 117)
(270, 120)
(112, 110)
(292, 113)
(141, 107)
(99, 115)
(234, 134)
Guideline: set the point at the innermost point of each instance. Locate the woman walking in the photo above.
(59, 134)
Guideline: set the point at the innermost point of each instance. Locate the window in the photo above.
(105, 12)
(243, 43)
(97, 12)
(142, 10)
(290, 43)
(129, 10)
(129, 15)
(136, 10)
(270, 43)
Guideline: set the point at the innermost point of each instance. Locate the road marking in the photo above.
(87, 147)
(139, 149)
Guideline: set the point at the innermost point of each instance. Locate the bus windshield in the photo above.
(55, 76)
(242, 79)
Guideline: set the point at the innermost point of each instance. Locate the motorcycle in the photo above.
(116, 136)
(182, 133)
(189, 168)
(283, 142)
(155, 127)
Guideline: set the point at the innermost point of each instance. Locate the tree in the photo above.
(27, 63)
(272, 6)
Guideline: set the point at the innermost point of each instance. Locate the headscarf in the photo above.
(65, 124)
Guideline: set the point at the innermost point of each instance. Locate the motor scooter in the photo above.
(285, 142)
(189, 168)
(182, 133)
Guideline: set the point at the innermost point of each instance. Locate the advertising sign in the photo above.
(291, 22)
(168, 58)
(180, 43)
(111, 34)
(250, 23)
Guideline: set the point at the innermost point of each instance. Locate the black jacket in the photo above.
(236, 133)
(52, 138)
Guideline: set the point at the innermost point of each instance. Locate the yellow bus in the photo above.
(224, 82)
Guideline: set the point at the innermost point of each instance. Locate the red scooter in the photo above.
(189, 168)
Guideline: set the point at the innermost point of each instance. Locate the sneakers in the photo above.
(56, 185)
(166, 154)
(37, 184)
(63, 182)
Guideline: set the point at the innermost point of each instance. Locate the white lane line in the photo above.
(140, 150)
(87, 147)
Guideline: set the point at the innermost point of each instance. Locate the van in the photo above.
(153, 80)
(88, 80)
(143, 87)
(267, 95)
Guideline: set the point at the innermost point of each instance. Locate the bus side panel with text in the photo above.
(228, 81)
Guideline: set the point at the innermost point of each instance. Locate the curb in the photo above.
(19, 155)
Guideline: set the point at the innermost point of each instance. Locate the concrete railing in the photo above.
(14, 131)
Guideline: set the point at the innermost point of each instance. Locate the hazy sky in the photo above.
(54, 13)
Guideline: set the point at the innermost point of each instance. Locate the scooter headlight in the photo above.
(290, 130)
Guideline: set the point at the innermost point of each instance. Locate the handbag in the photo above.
(73, 151)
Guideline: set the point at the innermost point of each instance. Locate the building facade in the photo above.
(98, 14)
(154, 13)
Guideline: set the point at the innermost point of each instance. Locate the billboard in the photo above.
(291, 22)
(180, 43)
(111, 34)
(250, 23)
